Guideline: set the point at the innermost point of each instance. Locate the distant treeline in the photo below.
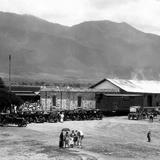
(50, 83)
(59, 84)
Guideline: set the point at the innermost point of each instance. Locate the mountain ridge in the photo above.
(86, 51)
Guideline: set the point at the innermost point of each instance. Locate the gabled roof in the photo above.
(133, 86)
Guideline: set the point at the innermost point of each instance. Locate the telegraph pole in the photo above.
(10, 82)
(9, 73)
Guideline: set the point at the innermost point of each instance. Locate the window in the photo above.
(79, 101)
(54, 100)
(149, 100)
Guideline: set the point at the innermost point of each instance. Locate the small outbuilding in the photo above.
(26, 93)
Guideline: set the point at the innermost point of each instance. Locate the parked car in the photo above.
(12, 119)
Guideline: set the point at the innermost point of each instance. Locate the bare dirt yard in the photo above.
(113, 138)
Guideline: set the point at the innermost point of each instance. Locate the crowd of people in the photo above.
(29, 106)
(70, 139)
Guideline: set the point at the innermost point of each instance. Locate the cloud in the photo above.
(142, 14)
(104, 4)
(62, 11)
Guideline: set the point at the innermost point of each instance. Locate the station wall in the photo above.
(67, 100)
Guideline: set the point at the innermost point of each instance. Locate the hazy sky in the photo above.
(142, 14)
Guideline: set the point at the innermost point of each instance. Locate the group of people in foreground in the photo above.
(70, 139)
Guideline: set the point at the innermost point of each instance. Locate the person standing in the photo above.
(72, 139)
(80, 138)
(151, 117)
(75, 139)
(61, 140)
(149, 136)
(67, 138)
(61, 117)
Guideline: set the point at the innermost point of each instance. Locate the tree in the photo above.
(2, 85)
(6, 98)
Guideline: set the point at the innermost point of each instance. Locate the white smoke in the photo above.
(138, 74)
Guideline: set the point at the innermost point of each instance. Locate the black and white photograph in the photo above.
(79, 79)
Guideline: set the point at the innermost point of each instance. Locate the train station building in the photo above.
(129, 93)
(108, 95)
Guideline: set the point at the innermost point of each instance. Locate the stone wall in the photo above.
(67, 100)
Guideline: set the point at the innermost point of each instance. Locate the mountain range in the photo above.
(87, 51)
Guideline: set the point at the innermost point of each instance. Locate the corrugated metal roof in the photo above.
(123, 95)
(25, 94)
(137, 86)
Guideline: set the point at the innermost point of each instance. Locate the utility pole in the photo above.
(10, 82)
(9, 73)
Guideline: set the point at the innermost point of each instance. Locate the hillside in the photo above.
(87, 51)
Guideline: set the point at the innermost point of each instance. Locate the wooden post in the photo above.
(9, 73)
(45, 101)
(61, 98)
(10, 81)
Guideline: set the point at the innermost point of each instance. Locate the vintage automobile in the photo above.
(80, 114)
(12, 119)
(53, 116)
(135, 112)
(139, 112)
(50, 116)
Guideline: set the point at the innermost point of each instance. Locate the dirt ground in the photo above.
(113, 138)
